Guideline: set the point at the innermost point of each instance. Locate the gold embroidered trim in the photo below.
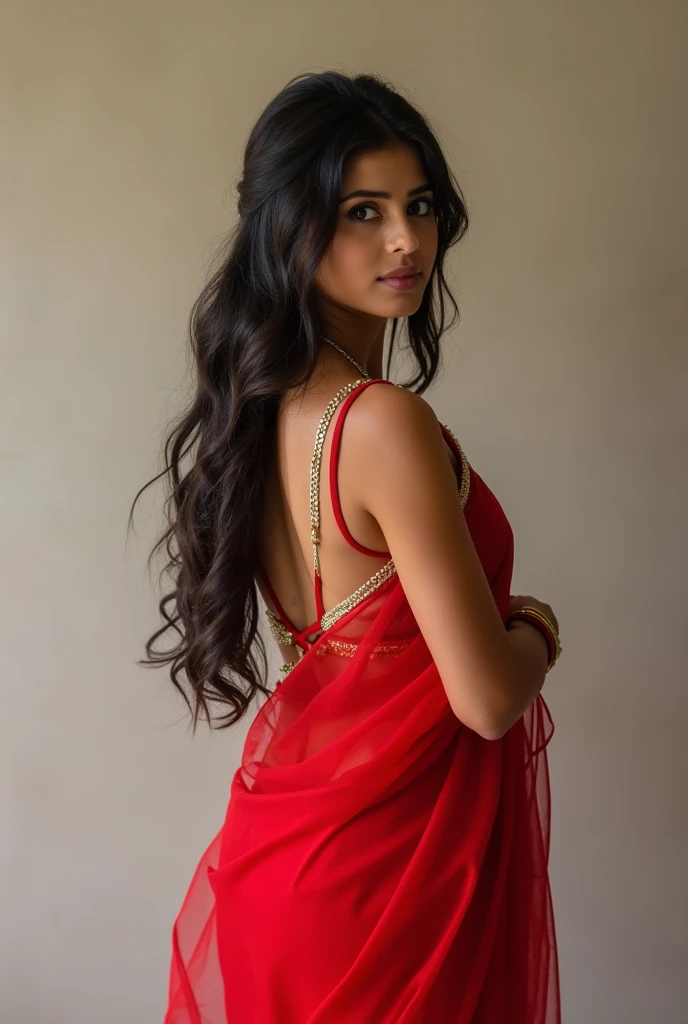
(381, 576)
(465, 486)
(278, 629)
(347, 649)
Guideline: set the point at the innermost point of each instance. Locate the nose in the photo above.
(401, 236)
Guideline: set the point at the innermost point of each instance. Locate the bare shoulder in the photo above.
(393, 430)
(392, 398)
(391, 415)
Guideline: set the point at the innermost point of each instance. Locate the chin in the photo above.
(403, 304)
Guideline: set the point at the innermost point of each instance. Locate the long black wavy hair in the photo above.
(253, 333)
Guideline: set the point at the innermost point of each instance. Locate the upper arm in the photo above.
(410, 488)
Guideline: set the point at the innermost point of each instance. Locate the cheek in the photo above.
(351, 257)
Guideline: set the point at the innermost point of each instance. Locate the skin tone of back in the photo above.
(401, 496)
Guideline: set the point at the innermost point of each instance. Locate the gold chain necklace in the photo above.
(346, 355)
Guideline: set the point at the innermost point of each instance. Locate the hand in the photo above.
(518, 601)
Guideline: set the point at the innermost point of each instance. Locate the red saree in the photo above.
(379, 863)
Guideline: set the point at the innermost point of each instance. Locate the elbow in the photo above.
(494, 731)
(502, 722)
(490, 710)
(491, 723)
(502, 714)
(489, 727)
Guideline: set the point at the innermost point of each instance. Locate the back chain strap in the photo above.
(315, 466)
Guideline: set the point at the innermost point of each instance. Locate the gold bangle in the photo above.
(549, 625)
(555, 633)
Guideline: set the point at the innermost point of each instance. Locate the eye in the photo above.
(358, 209)
(362, 207)
(430, 204)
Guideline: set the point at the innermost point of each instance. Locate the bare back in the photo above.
(285, 542)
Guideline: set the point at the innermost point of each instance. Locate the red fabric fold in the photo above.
(380, 862)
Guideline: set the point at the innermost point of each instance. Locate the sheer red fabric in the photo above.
(379, 862)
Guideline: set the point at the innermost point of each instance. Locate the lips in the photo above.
(401, 283)
(400, 272)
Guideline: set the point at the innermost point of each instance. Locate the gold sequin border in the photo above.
(465, 485)
(347, 649)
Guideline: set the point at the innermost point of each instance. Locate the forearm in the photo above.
(530, 654)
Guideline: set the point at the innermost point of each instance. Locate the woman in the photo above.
(384, 855)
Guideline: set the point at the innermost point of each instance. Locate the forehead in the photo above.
(382, 169)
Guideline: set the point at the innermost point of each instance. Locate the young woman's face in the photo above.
(380, 233)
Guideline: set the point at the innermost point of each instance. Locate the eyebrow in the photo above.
(364, 194)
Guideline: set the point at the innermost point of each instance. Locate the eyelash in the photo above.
(369, 206)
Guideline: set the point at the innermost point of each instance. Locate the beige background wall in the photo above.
(123, 126)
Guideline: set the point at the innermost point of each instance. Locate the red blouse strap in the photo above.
(345, 394)
(334, 464)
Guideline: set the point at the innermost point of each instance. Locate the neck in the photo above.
(366, 349)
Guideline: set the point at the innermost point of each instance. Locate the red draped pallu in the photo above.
(379, 862)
